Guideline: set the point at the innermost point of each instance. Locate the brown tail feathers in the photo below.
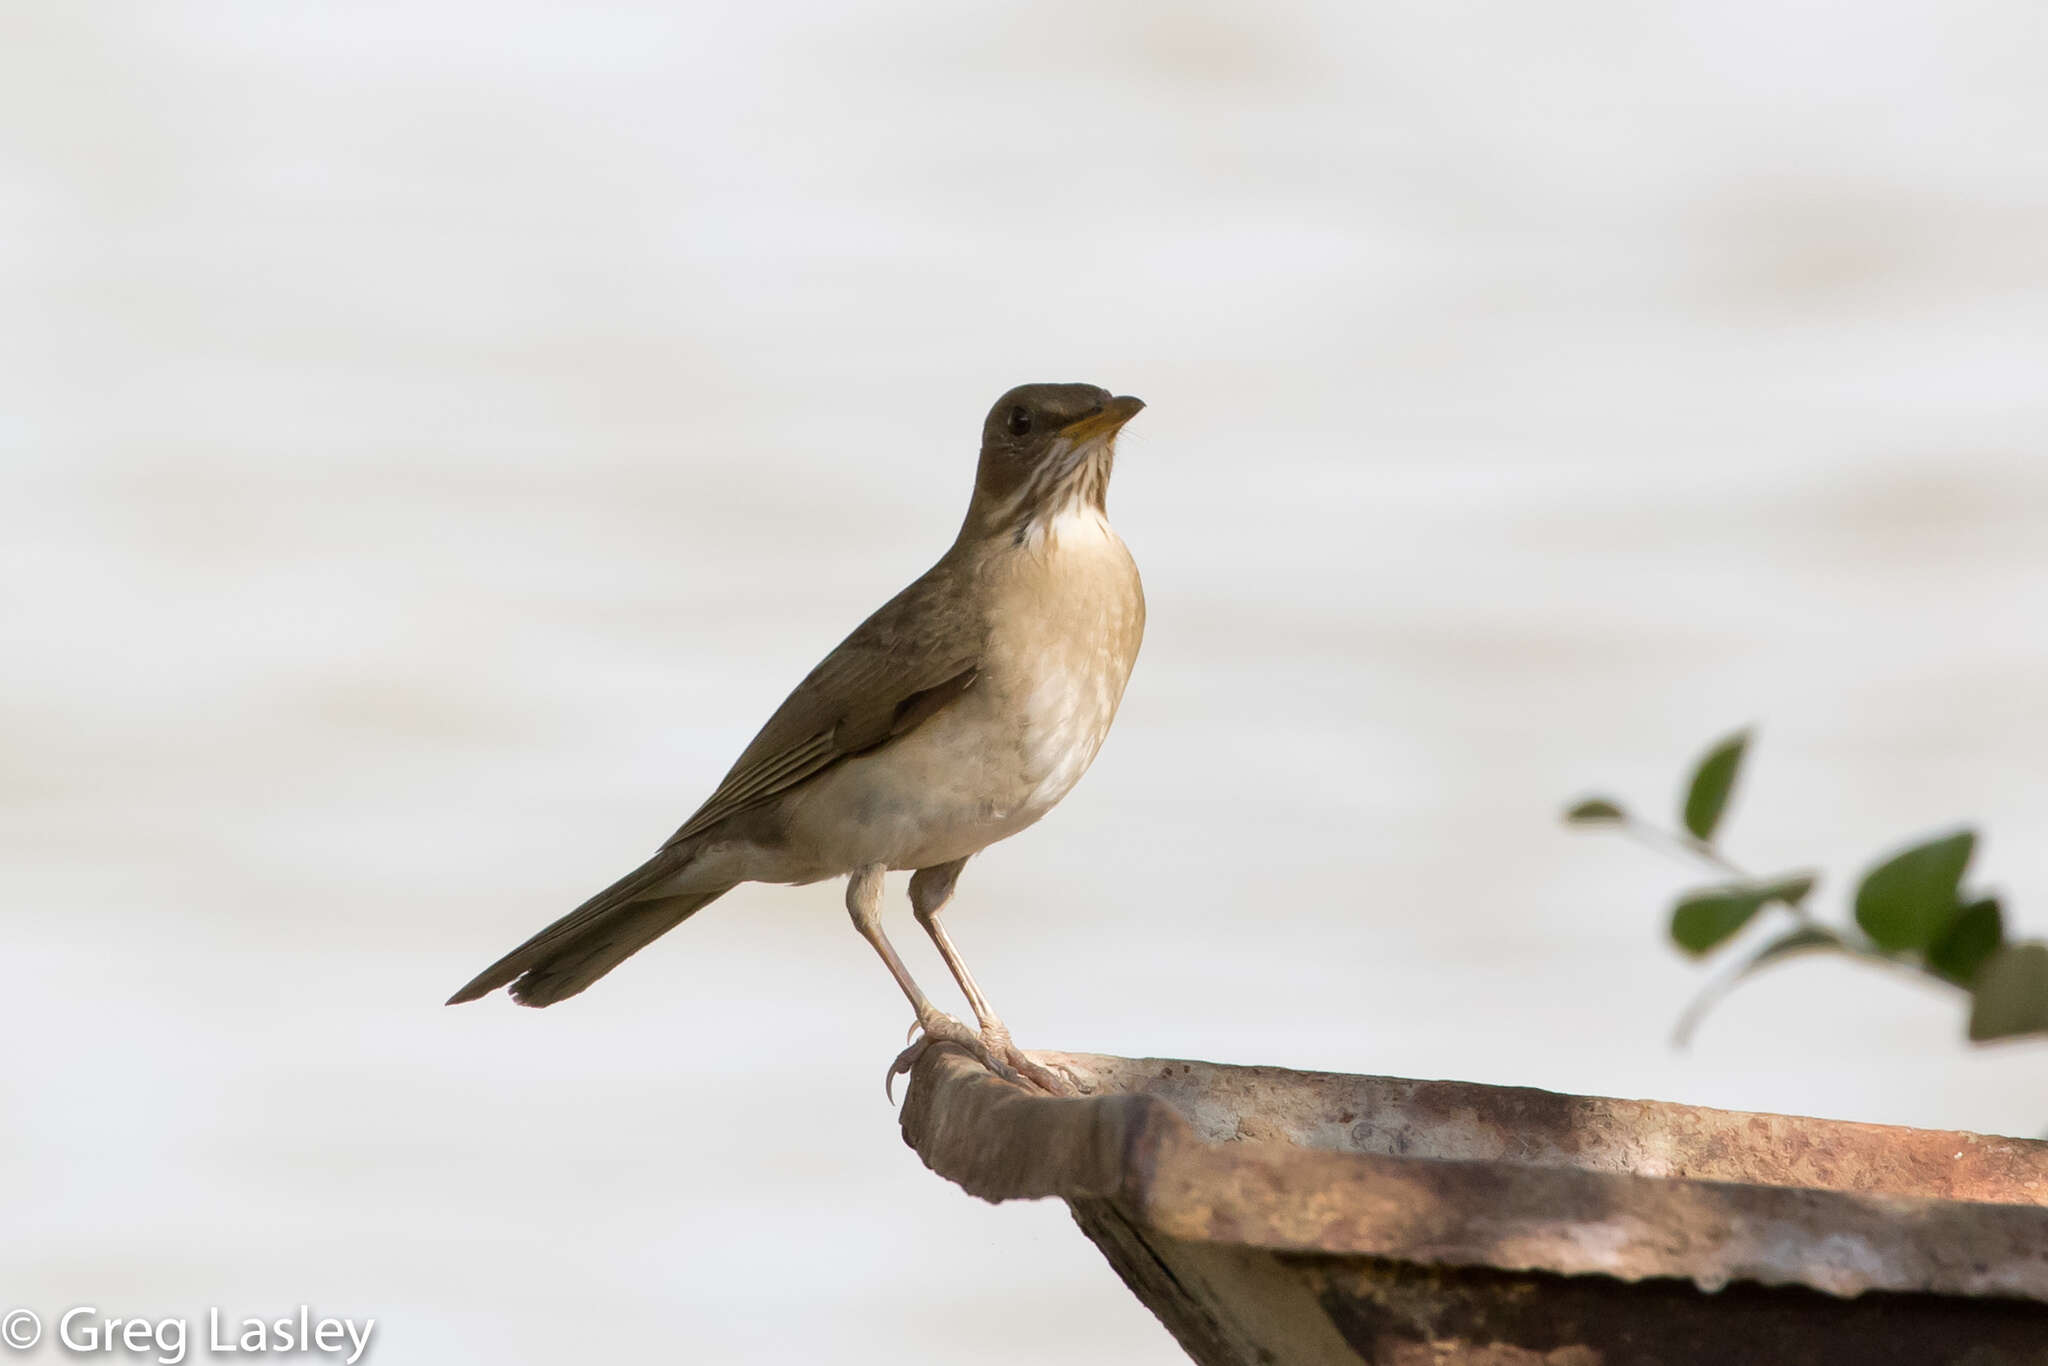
(591, 940)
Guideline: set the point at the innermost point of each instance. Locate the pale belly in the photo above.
(958, 783)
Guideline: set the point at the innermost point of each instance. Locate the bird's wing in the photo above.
(899, 668)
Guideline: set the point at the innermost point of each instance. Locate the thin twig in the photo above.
(1672, 843)
(1714, 992)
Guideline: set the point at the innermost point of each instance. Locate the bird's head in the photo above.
(1044, 449)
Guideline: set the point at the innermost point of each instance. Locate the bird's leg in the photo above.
(930, 890)
(864, 903)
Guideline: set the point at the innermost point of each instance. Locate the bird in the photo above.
(957, 715)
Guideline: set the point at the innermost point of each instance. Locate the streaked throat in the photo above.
(1069, 489)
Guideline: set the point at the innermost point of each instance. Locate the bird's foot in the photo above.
(937, 1028)
(992, 1048)
(996, 1043)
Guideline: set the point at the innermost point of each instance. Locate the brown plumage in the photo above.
(956, 715)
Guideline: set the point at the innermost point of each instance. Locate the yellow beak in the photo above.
(1104, 420)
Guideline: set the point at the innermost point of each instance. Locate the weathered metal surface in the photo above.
(1276, 1216)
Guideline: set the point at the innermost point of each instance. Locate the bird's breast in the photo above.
(1064, 630)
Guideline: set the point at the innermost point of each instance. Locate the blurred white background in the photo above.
(437, 434)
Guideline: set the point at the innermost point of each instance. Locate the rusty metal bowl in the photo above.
(1270, 1216)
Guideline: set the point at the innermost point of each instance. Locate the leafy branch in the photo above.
(1911, 913)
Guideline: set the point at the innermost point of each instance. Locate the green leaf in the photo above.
(1906, 902)
(2011, 996)
(1973, 936)
(1702, 920)
(1790, 889)
(1595, 811)
(1706, 797)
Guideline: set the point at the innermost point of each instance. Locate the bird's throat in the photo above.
(1069, 488)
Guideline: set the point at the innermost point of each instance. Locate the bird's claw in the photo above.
(939, 1029)
(1046, 1079)
(996, 1042)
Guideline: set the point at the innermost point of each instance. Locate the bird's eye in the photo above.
(1020, 421)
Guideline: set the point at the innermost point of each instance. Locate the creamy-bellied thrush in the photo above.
(955, 716)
